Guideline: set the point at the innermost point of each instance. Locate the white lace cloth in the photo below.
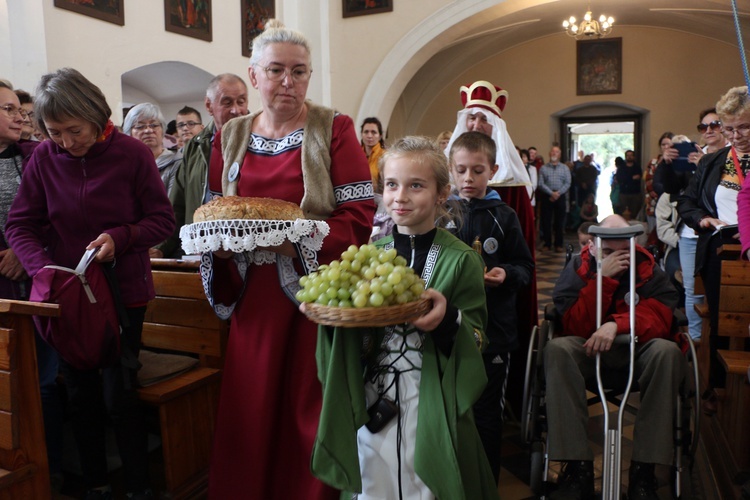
(247, 235)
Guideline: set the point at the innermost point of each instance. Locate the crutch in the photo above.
(611, 481)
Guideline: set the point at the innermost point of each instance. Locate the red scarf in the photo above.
(108, 129)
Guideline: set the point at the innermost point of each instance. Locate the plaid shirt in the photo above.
(554, 178)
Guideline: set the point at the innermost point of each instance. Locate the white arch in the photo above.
(410, 53)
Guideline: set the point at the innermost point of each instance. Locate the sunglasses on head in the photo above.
(714, 125)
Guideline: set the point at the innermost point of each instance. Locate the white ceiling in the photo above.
(496, 29)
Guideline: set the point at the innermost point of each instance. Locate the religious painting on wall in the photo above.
(188, 17)
(363, 7)
(106, 10)
(599, 66)
(255, 15)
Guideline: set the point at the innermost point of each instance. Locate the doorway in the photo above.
(604, 138)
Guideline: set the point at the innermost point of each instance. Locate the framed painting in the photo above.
(599, 67)
(363, 7)
(255, 15)
(189, 18)
(106, 10)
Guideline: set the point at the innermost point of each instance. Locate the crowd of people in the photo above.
(460, 209)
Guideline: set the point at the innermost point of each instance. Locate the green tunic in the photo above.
(449, 457)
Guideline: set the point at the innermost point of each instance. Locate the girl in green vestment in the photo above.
(430, 371)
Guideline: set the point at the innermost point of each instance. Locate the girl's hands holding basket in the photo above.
(434, 316)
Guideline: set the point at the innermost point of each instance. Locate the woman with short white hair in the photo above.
(146, 123)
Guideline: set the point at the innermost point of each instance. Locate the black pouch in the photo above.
(381, 413)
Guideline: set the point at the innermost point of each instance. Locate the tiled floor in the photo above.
(514, 477)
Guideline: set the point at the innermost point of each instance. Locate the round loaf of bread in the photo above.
(240, 207)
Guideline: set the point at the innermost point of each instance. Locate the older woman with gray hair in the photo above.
(710, 202)
(146, 123)
(294, 150)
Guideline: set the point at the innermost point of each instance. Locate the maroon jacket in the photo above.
(65, 202)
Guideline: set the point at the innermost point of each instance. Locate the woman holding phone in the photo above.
(710, 203)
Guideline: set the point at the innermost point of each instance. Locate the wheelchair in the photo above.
(534, 424)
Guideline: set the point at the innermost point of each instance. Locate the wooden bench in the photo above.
(726, 435)
(180, 320)
(24, 472)
(734, 318)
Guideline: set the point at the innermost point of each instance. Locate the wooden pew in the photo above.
(726, 435)
(734, 318)
(24, 472)
(180, 320)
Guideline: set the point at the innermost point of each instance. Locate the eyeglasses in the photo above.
(152, 126)
(13, 111)
(277, 73)
(189, 124)
(742, 130)
(714, 125)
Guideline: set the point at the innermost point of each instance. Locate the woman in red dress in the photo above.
(271, 397)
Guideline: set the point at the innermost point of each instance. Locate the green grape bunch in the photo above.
(365, 276)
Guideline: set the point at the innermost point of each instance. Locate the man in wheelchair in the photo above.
(570, 362)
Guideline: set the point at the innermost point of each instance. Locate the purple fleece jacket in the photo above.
(64, 203)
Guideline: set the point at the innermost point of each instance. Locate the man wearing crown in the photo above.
(483, 106)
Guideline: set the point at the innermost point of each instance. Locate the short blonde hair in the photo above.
(734, 103)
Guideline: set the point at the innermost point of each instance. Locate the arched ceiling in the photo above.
(479, 35)
(169, 81)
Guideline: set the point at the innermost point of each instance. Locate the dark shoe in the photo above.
(642, 483)
(545, 248)
(576, 482)
(99, 494)
(559, 249)
(146, 494)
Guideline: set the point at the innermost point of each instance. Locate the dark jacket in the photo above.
(503, 245)
(16, 289)
(624, 176)
(699, 200)
(575, 298)
(115, 189)
(189, 188)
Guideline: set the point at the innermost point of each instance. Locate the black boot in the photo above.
(642, 483)
(576, 481)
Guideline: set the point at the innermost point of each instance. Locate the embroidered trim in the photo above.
(429, 265)
(356, 191)
(270, 147)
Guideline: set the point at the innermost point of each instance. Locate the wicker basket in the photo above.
(367, 316)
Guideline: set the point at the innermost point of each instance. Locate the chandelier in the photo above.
(589, 27)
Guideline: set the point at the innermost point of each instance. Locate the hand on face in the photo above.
(614, 264)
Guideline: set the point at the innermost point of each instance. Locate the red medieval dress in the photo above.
(270, 395)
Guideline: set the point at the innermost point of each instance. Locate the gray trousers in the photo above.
(659, 370)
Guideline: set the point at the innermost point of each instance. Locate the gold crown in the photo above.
(483, 94)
